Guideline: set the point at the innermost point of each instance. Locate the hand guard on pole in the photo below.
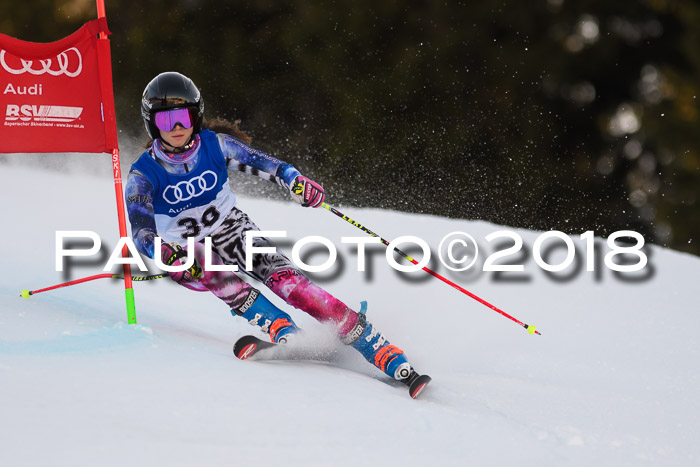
(307, 192)
(170, 254)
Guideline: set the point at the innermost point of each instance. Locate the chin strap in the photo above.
(181, 155)
(185, 147)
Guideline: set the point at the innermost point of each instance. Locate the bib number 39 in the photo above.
(194, 227)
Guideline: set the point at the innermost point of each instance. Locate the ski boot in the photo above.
(377, 350)
(259, 311)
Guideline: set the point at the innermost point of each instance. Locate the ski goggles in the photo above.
(168, 119)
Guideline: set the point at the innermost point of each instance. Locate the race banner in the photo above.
(57, 97)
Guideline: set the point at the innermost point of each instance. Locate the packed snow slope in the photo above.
(612, 380)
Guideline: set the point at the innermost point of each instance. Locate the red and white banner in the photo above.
(57, 97)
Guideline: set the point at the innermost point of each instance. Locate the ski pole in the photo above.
(28, 293)
(531, 329)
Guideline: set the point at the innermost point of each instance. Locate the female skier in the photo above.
(179, 188)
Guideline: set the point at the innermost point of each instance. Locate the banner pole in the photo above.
(101, 11)
(119, 192)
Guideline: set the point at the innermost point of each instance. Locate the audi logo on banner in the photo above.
(69, 63)
(188, 189)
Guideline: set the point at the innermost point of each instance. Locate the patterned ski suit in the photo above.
(197, 202)
(177, 201)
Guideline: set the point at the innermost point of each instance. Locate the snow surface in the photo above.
(612, 381)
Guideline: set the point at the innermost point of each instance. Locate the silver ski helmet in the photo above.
(167, 91)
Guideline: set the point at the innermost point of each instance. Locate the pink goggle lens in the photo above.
(167, 120)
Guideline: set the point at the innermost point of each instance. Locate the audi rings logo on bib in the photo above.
(188, 189)
(69, 63)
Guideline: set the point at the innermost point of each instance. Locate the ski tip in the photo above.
(247, 351)
(418, 385)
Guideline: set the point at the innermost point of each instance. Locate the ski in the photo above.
(416, 383)
(247, 346)
(250, 347)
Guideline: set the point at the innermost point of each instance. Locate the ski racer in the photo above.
(179, 188)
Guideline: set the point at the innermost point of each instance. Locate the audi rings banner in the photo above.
(57, 97)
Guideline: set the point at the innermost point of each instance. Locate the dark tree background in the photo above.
(546, 114)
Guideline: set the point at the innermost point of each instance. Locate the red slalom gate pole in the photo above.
(531, 329)
(111, 129)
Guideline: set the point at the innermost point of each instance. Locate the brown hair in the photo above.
(221, 125)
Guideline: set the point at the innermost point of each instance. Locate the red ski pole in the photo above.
(28, 293)
(531, 329)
